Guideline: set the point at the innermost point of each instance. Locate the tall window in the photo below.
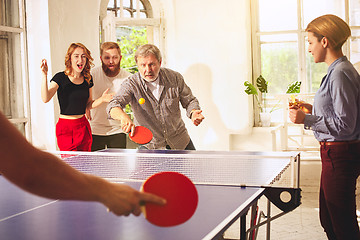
(13, 81)
(134, 26)
(280, 46)
(129, 8)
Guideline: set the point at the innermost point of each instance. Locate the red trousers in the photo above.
(340, 169)
(74, 134)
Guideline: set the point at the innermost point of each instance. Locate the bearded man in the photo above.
(106, 132)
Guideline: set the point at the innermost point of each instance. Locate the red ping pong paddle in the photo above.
(181, 199)
(142, 135)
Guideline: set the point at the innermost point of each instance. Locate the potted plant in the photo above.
(262, 87)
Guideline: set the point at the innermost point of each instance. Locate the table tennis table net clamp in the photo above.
(273, 194)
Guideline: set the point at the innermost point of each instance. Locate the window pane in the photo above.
(10, 64)
(279, 62)
(20, 127)
(272, 38)
(118, 13)
(129, 39)
(9, 13)
(354, 13)
(4, 76)
(314, 9)
(129, 8)
(142, 10)
(272, 16)
(127, 3)
(127, 13)
(110, 4)
(143, 15)
(135, 9)
(355, 48)
(141, 5)
(314, 72)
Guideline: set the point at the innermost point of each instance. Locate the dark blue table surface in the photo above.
(218, 207)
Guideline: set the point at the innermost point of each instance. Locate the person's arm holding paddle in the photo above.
(44, 174)
(126, 124)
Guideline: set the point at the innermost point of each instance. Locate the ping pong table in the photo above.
(229, 183)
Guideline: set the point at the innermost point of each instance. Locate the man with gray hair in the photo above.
(154, 94)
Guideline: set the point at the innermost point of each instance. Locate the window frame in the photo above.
(22, 123)
(121, 8)
(301, 46)
(155, 26)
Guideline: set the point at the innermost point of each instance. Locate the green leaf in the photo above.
(262, 84)
(294, 87)
(129, 41)
(250, 89)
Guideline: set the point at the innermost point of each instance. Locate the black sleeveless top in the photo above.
(72, 97)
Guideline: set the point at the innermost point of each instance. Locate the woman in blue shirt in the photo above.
(335, 121)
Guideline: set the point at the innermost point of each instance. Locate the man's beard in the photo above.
(111, 73)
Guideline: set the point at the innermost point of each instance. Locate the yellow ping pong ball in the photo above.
(141, 100)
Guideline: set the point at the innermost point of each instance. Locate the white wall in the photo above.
(38, 45)
(209, 45)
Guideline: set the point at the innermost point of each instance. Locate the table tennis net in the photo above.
(208, 168)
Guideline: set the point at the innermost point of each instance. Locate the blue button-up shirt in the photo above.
(336, 109)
